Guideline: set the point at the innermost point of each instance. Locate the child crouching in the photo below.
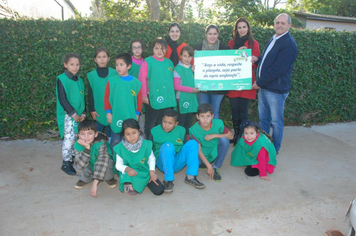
(93, 159)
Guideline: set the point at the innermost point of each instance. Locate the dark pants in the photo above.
(156, 190)
(153, 118)
(239, 108)
(185, 120)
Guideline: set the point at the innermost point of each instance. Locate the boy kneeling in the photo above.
(93, 159)
(172, 154)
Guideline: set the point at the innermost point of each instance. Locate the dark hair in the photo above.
(138, 41)
(130, 123)
(249, 124)
(171, 113)
(67, 57)
(204, 108)
(173, 25)
(160, 41)
(125, 57)
(87, 125)
(212, 26)
(99, 50)
(189, 49)
(249, 32)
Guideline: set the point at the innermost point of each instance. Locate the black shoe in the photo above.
(68, 168)
(194, 182)
(80, 184)
(112, 183)
(168, 186)
(202, 165)
(217, 176)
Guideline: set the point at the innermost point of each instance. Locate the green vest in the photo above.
(244, 154)
(94, 153)
(75, 96)
(160, 83)
(176, 137)
(98, 86)
(134, 71)
(138, 162)
(123, 100)
(209, 148)
(188, 102)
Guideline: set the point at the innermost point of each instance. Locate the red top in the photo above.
(249, 94)
(179, 49)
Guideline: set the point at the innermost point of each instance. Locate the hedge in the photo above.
(323, 78)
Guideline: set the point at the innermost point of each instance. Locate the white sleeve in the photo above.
(152, 161)
(120, 164)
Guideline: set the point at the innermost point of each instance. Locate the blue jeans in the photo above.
(212, 99)
(223, 147)
(170, 162)
(115, 139)
(271, 111)
(100, 127)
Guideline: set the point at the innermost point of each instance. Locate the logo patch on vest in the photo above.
(186, 104)
(119, 123)
(75, 124)
(81, 92)
(133, 93)
(143, 160)
(160, 99)
(179, 140)
(170, 68)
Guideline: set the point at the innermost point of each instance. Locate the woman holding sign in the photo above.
(174, 47)
(243, 39)
(212, 42)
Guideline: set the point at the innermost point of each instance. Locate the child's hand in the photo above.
(94, 115)
(130, 171)
(153, 177)
(209, 137)
(265, 178)
(76, 118)
(82, 117)
(109, 117)
(195, 90)
(210, 171)
(94, 188)
(145, 100)
(84, 144)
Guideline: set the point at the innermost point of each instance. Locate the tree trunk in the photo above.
(181, 11)
(153, 6)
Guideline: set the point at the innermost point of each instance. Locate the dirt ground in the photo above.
(309, 193)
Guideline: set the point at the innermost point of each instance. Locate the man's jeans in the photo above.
(271, 111)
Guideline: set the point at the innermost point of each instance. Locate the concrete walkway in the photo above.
(308, 194)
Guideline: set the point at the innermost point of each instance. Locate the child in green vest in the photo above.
(156, 75)
(98, 79)
(93, 159)
(136, 162)
(137, 49)
(186, 93)
(255, 150)
(213, 138)
(123, 99)
(70, 108)
(173, 154)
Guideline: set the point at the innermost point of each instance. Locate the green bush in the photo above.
(323, 79)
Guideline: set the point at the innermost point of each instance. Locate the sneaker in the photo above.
(217, 176)
(112, 183)
(68, 168)
(194, 182)
(80, 184)
(202, 165)
(168, 186)
(128, 190)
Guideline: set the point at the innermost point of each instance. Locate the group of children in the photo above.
(116, 99)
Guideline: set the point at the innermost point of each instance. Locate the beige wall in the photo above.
(339, 26)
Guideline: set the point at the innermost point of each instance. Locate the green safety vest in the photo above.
(176, 137)
(75, 96)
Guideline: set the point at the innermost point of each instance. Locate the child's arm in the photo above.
(62, 98)
(262, 158)
(82, 158)
(139, 104)
(142, 76)
(179, 87)
(152, 164)
(91, 103)
(124, 168)
(226, 134)
(107, 105)
(202, 157)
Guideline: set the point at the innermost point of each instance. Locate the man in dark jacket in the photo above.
(274, 71)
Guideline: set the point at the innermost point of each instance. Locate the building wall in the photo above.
(41, 9)
(338, 26)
